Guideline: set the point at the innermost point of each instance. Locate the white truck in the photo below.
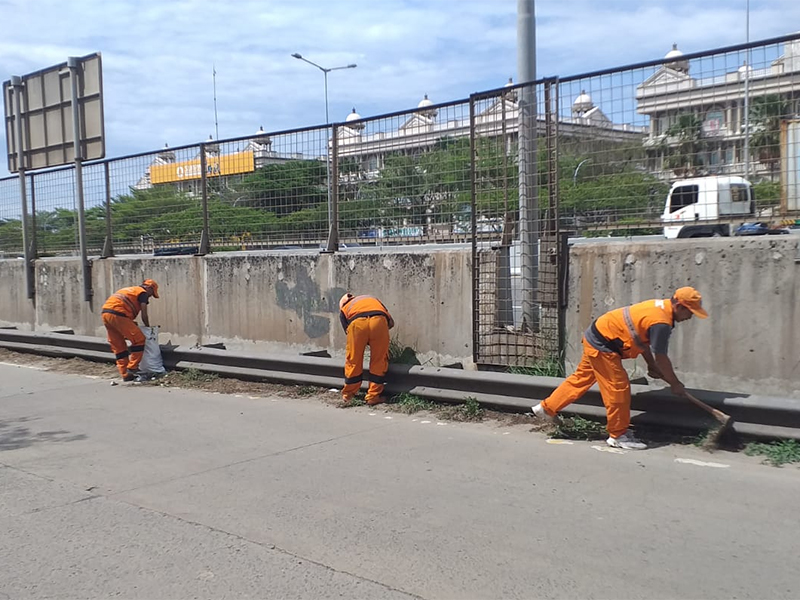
(695, 206)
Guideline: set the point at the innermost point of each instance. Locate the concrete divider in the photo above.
(759, 416)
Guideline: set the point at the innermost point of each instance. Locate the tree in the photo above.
(766, 114)
(684, 145)
(285, 187)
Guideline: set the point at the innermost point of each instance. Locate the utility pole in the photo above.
(528, 192)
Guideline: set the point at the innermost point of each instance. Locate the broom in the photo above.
(726, 422)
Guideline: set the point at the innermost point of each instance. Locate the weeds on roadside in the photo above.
(307, 390)
(578, 428)
(194, 376)
(551, 366)
(775, 453)
(400, 354)
(410, 403)
(470, 410)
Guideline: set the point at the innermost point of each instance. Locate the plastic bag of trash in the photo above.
(151, 364)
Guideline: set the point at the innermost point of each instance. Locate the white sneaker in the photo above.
(540, 415)
(627, 442)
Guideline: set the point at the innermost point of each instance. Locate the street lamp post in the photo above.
(333, 235)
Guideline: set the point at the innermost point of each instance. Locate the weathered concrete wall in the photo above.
(15, 308)
(750, 287)
(258, 301)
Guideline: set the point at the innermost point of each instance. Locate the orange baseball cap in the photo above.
(151, 284)
(691, 299)
(345, 299)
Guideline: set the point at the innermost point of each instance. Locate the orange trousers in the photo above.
(606, 369)
(120, 329)
(372, 332)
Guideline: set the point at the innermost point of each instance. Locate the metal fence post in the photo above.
(34, 243)
(205, 237)
(332, 244)
(108, 244)
(16, 83)
(86, 268)
(476, 274)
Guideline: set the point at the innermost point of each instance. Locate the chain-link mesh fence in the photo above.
(688, 145)
(405, 178)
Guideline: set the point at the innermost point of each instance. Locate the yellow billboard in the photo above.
(216, 166)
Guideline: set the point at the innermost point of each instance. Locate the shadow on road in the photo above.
(14, 434)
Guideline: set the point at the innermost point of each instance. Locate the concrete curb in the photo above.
(757, 416)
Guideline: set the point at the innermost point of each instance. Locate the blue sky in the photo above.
(158, 55)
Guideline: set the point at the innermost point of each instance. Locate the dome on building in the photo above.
(674, 53)
(745, 68)
(261, 137)
(676, 57)
(425, 107)
(354, 116)
(583, 103)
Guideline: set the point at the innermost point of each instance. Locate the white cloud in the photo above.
(158, 55)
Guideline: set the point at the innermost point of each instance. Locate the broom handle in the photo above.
(718, 414)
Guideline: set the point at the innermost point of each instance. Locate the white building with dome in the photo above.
(718, 103)
(428, 125)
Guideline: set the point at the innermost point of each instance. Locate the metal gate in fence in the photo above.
(519, 256)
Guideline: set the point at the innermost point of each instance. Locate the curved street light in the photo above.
(333, 241)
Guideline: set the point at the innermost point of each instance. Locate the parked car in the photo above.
(759, 229)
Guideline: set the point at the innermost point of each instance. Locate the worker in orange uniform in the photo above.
(641, 329)
(367, 322)
(119, 313)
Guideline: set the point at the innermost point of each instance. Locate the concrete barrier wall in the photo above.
(289, 303)
(750, 286)
(260, 302)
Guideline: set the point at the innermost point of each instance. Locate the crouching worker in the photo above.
(367, 322)
(119, 313)
(640, 329)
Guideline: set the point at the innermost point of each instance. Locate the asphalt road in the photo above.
(137, 492)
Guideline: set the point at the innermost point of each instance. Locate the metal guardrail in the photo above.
(755, 416)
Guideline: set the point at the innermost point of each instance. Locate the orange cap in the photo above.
(691, 299)
(344, 300)
(151, 284)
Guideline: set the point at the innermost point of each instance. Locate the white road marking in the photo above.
(440, 423)
(609, 449)
(559, 442)
(506, 433)
(387, 417)
(372, 414)
(423, 422)
(701, 463)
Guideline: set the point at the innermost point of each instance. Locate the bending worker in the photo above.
(119, 313)
(640, 329)
(367, 322)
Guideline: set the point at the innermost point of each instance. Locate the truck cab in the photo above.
(694, 206)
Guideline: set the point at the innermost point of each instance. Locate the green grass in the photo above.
(307, 390)
(470, 410)
(196, 376)
(775, 453)
(578, 428)
(546, 367)
(400, 354)
(410, 404)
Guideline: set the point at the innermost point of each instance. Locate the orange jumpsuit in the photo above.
(605, 367)
(367, 322)
(119, 312)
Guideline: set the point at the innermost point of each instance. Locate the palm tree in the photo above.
(684, 145)
(766, 114)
